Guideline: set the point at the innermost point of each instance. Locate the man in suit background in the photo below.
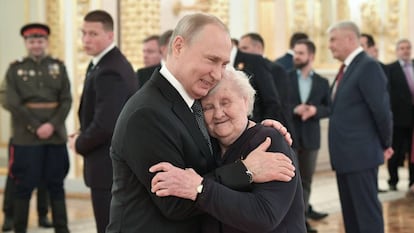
(253, 43)
(267, 101)
(310, 101)
(151, 51)
(401, 87)
(109, 82)
(144, 74)
(368, 45)
(360, 129)
(159, 123)
(286, 61)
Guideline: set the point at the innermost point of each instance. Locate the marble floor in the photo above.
(398, 209)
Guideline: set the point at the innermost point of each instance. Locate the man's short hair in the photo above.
(346, 25)
(164, 39)
(101, 16)
(150, 38)
(297, 36)
(256, 37)
(400, 41)
(309, 45)
(370, 39)
(191, 25)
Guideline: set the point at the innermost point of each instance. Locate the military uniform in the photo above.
(37, 92)
(44, 83)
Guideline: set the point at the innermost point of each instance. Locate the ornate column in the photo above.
(54, 18)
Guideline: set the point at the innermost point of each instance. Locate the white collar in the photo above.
(177, 85)
(232, 56)
(98, 57)
(352, 55)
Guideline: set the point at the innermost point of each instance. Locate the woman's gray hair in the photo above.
(239, 83)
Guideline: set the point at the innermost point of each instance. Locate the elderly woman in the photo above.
(267, 207)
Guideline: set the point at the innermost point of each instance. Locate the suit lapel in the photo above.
(351, 66)
(295, 87)
(183, 112)
(314, 88)
(347, 74)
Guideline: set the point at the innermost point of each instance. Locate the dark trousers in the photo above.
(402, 139)
(361, 208)
(10, 187)
(101, 202)
(307, 164)
(33, 165)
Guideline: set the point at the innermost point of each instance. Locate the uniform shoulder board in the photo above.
(55, 59)
(16, 62)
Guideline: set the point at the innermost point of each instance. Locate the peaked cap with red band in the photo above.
(35, 30)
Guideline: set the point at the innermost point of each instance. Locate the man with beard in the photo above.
(310, 101)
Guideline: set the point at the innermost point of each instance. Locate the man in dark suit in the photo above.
(253, 43)
(401, 86)
(286, 61)
(267, 102)
(145, 73)
(109, 82)
(368, 44)
(360, 129)
(310, 102)
(159, 123)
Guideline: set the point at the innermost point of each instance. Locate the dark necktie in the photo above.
(89, 69)
(338, 80)
(340, 75)
(198, 114)
(410, 79)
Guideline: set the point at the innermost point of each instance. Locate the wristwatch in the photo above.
(200, 188)
(250, 176)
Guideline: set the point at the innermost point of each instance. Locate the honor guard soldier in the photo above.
(37, 94)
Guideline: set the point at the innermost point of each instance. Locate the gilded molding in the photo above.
(266, 19)
(138, 20)
(80, 63)
(391, 28)
(342, 10)
(54, 19)
(218, 8)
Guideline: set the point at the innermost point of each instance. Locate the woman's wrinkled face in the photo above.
(225, 113)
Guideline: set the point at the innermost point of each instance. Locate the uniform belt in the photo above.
(42, 105)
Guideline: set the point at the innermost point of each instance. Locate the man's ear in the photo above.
(177, 44)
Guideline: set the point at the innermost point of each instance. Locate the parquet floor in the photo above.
(398, 209)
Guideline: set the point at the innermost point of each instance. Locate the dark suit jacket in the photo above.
(360, 124)
(144, 74)
(307, 134)
(384, 68)
(286, 61)
(267, 102)
(106, 89)
(268, 207)
(157, 125)
(282, 84)
(401, 105)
